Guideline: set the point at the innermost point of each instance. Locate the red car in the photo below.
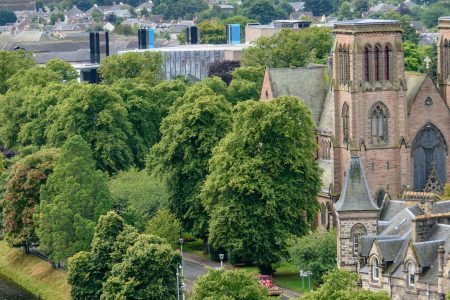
(266, 281)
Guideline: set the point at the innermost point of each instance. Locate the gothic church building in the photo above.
(396, 122)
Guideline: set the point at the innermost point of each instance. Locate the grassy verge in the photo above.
(33, 274)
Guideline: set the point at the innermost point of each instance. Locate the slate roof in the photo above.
(396, 235)
(414, 82)
(309, 84)
(355, 195)
(391, 208)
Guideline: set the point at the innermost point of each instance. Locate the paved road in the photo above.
(195, 266)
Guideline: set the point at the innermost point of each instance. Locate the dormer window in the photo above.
(375, 270)
(411, 274)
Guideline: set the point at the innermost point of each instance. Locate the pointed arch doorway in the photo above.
(429, 150)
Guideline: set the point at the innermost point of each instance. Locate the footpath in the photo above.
(197, 265)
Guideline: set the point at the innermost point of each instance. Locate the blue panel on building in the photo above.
(234, 34)
(151, 38)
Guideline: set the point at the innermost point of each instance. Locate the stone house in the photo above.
(401, 247)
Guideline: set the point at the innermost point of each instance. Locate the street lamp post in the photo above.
(178, 284)
(181, 240)
(221, 256)
(181, 283)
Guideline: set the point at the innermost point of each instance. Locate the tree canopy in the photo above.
(195, 124)
(290, 48)
(314, 252)
(12, 62)
(263, 181)
(224, 284)
(342, 285)
(22, 193)
(72, 200)
(166, 225)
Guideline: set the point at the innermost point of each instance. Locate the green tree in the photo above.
(142, 66)
(72, 200)
(99, 115)
(147, 271)
(194, 126)
(166, 225)
(314, 252)
(97, 15)
(321, 7)
(137, 196)
(246, 84)
(430, 14)
(7, 17)
(212, 32)
(12, 62)
(224, 284)
(415, 55)
(39, 5)
(22, 192)
(241, 20)
(263, 181)
(345, 11)
(89, 270)
(54, 18)
(65, 70)
(128, 30)
(290, 48)
(342, 285)
(261, 10)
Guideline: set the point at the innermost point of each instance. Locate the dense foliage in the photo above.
(137, 196)
(195, 124)
(315, 252)
(72, 200)
(224, 284)
(7, 17)
(263, 181)
(165, 225)
(22, 194)
(290, 48)
(342, 285)
(12, 62)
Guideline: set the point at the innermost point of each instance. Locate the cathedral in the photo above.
(382, 136)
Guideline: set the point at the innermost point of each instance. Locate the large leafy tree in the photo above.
(12, 62)
(7, 16)
(22, 192)
(89, 270)
(321, 7)
(147, 271)
(137, 196)
(224, 284)
(194, 126)
(99, 115)
(314, 252)
(142, 66)
(290, 48)
(212, 32)
(223, 69)
(342, 285)
(72, 200)
(166, 225)
(263, 181)
(246, 84)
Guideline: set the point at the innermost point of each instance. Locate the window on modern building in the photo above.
(387, 62)
(376, 63)
(411, 274)
(375, 270)
(345, 122)
(379, 123)
(366, 64)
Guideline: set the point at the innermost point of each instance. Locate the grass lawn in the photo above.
(33, 274)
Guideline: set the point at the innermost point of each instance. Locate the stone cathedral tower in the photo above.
(369, 91)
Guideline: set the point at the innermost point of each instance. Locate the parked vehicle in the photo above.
(266, 281)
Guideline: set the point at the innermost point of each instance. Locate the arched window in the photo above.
(387, 62)
(356, 233)
(375, 269)
(345, 122)
(379, 123)
(411, 274)
(380, 197)
(344, 64)
(366, 64)
(376, 63)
